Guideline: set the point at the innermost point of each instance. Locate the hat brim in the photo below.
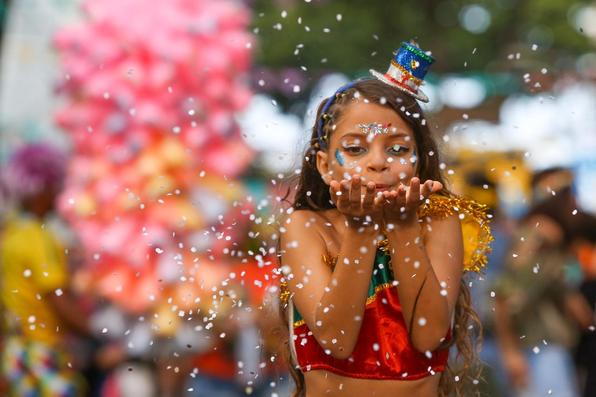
(418, 95)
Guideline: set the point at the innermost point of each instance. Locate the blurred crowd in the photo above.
(60, 338)
(537, 297)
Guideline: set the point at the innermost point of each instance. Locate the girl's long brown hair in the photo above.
(311, 193)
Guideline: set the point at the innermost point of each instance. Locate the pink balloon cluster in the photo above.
(151, 90)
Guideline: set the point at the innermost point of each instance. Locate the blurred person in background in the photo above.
(584, 246)
(4, 210)
(478, 187)
(538, 312)
(39, 309)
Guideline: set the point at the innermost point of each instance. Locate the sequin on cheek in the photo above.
(414, 157)
(339, 157)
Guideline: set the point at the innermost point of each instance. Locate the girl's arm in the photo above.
(429, 274)
(330, 301)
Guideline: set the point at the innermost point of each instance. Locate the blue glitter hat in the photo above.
(407, 70)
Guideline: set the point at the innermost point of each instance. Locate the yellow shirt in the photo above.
(32, 263)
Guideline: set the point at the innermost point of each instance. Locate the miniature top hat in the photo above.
(407, 70)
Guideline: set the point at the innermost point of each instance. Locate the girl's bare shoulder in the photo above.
(324, 219)
(327, 224)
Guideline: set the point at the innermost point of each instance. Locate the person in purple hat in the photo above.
(38, 308)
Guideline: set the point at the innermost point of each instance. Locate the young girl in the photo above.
(372, 251)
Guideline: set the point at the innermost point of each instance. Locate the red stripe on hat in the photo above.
(399, 83)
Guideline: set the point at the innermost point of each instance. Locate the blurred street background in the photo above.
(146, 147)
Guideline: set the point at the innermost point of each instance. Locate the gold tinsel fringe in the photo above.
(475, 226)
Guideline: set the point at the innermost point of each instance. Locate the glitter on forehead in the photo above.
(374, 128)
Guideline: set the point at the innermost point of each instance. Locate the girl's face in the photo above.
(373, 141)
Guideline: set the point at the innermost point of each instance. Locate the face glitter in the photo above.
(339, 157)
(374, 128)
(414, 157)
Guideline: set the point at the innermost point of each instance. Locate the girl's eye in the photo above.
(398, 149)
(354, 149)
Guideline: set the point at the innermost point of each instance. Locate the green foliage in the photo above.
(370, 30)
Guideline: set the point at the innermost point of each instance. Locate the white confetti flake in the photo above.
(536, 349)
(536, 268)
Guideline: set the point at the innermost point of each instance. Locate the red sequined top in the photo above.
(383, 349)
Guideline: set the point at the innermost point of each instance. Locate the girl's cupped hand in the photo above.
(401, 205)
(357, 202)
(363, 205)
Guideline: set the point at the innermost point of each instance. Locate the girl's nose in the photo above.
(377, 162)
